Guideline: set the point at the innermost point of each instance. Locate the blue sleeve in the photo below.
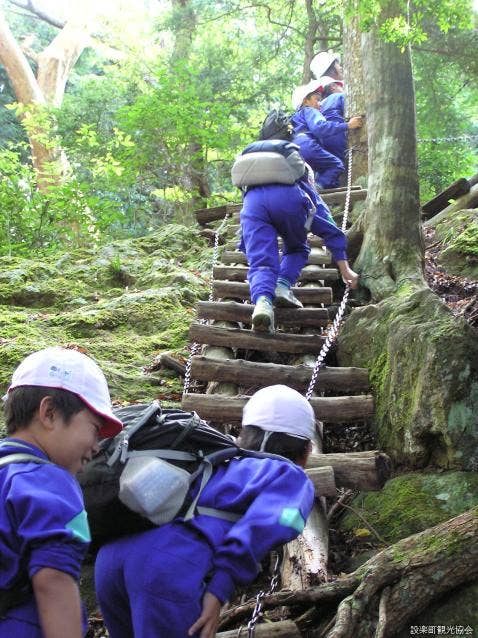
(319, 126)
(281, 498)
(334, 238)
(46, 510)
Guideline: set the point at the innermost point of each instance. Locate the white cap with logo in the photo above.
(278, 408)
(70, 370)
(303, 91)
(321, 62)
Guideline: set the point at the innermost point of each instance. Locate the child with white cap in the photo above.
(332, 108)
(312, 131)
(171, 581)
(326, 63)
(56, 408)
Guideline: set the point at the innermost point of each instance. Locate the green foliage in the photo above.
(405, 23)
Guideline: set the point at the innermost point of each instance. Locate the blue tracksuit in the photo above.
(42, 524)
(311, 131)
(333, 109)
(152, 583)
(280, 209)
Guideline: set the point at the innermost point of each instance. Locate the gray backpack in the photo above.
(268, 162)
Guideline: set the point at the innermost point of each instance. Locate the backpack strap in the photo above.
(212, 511)
(20, 457)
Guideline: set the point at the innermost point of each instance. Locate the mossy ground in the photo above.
(124, 303)
(413, 502)
(458, 237)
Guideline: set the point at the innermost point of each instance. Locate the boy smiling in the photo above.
(56, 409)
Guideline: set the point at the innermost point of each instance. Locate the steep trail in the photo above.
(234, 362)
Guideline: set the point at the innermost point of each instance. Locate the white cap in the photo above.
(303, 91)
(321, 62)
(325, 80)
(278, 408)
(70, 370)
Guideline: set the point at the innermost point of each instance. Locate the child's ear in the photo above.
(47, 413)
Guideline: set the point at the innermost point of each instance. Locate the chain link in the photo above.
(330, 338)
(195, 347)
(257, 613)
(349, 190)
(459, 138)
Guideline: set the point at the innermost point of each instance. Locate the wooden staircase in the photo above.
(235, 362)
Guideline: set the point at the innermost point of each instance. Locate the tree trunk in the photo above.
(355, 98)
(186, 19)
(54, 67)
(392, 249)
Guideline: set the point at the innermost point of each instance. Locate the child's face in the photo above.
(312, 100)
(336, 88)
(75, 442)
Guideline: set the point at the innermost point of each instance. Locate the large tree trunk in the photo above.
(355, 98)
(392, 250)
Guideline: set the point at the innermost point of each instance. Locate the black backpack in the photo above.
(276, 126)
(181, 438)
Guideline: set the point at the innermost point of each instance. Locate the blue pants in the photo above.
(337, 145)
(325, 165)
(268, 211)
(152, 584)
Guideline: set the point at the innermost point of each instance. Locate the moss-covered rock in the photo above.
(124, 302)
(458, 235)
(423, 366)
(413, 502)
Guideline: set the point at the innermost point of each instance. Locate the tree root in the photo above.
(393, 587)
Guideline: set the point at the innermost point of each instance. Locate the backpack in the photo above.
(268, 162)
(159, 453)
(276, 126)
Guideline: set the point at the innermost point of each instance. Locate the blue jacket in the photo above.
(274, 497)
(313, 123)
(333, 107)
(42, 519)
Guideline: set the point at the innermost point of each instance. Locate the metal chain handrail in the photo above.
(458, 138)
(330, 338)
(256, 614)
(349, 190)
(195, 347)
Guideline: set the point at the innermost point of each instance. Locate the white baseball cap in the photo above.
(303, 91)
(325, 80)
(321, 62)
(70, 370)
(278, 408)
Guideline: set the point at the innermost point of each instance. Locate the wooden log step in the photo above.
(309, 273)
(338, 199)
(251, 340)
(249, 374)
(206, 215)
(366, 471)
(287, 317)
(221, 409)
(323, 479)
(236, 290)
(338, 189)
(441, 201)
(316, 257)
(278, 629)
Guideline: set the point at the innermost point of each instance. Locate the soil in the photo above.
(458, 293)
